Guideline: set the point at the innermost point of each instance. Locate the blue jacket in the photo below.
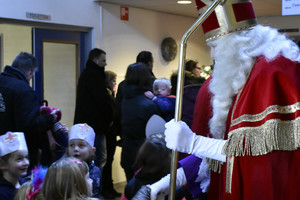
(7, 190)
(96, 176)
(166, 106)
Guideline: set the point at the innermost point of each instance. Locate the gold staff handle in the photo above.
(179, 90)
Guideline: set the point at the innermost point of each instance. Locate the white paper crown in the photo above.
(84, 132)
(12, 141)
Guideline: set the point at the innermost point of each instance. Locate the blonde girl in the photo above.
(67, 178)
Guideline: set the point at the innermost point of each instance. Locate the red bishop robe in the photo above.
(263, 135)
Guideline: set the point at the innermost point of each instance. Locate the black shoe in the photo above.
(108, 195)
(119, 143)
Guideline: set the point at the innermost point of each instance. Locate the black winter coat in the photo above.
(94, 105)
(19, 105)
(136, 111)
(20, 111)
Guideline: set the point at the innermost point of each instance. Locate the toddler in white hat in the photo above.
(81, 143)
(13, 162)
(81, 146)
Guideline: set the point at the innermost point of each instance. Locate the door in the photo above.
(60, 56)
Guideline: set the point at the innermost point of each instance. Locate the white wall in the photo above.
(15, 39)
(83, 13)
(282, 22)
(123, 40)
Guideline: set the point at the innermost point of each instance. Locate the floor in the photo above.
(119, 187)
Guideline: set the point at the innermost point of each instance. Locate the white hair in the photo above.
(234, 56)
(165, 81)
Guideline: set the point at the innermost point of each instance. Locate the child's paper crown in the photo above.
(84, 132)
(11, 142)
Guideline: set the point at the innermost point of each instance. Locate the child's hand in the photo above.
(149, 94)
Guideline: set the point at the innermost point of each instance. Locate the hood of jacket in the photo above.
(15, 73)
(131, 91)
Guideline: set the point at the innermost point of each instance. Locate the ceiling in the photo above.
(261, 7)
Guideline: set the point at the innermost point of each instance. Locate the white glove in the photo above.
(161, 188)
(179, 137)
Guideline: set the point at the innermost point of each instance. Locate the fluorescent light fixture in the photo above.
(184, 2)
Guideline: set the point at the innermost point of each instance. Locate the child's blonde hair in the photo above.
(23, 191)
(65, 179)
(165, 81)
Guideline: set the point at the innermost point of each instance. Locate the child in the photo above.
(57, 138)
(152, 163)
(13, 163)
(161, 96)
(30, 190)
(81, 146)
(67, 178)
(153, 158)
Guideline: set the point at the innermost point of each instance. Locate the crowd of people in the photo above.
(92, 138)
(238, 135)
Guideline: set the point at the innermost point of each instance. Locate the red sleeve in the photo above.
(202, 110)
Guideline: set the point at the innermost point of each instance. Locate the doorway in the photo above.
(60, 57)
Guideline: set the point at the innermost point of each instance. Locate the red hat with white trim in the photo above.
(229, 16)
(11, 142)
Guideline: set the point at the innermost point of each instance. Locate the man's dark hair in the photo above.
(25, 62)
(138, 74)
(144, 57)
(94, 53)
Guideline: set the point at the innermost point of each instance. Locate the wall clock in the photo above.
(168, 49)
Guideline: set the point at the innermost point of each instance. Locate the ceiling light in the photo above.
(184, 2)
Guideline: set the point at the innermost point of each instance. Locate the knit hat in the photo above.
(155, 127)
(84, 132)
(11, 142)
(229, 16)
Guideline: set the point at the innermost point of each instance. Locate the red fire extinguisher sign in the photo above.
(124, 13)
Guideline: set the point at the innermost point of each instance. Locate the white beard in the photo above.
(229, 76)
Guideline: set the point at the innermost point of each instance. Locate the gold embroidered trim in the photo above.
(214, 165)
(229, 170)
(273, 135)
(272, 109)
